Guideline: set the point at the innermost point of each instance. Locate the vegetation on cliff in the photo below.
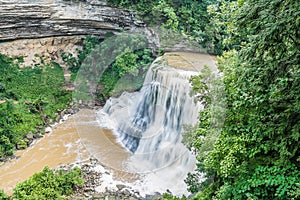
(125, 72)
(193, 19)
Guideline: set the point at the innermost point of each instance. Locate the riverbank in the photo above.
(99, 183)
(78, 141)
(65, 144)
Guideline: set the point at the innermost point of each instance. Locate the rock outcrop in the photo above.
(20, 19)
(97, 185)
(44, 29)
(42, 50)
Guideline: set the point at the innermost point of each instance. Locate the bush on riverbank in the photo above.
(49, 185)
(30, 98)
(3, 196)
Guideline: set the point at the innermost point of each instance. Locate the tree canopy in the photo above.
(256, 155)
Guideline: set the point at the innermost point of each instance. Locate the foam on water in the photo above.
(149, 122)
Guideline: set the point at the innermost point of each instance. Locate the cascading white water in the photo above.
(149, 123)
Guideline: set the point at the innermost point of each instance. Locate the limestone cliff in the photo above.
(21, 19)
(48, 27)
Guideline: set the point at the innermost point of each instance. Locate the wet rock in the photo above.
(168, 191)
(97, 196)
(70, 111)
(63, 113)
(126, 192)
(76, 109)
(87, 195)
(30, 136)
(29, 139)
(21, 146)
(57, 118)
(64, 117)
(120, 186)
(48, 130)
(50, 121)
(156, 196)
(89, 189)
(29, 142)
(92, 181)
(37, 135)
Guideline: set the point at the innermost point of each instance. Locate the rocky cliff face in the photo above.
(21, 19)
(48, 48)
(48, 27)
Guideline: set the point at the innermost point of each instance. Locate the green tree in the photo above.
(191, 18)
(126, 63)
(74, 63)
(163, 12)
(256, 155)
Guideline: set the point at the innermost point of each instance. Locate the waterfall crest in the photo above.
(149, 122)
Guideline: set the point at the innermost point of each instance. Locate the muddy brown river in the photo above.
(77, 139)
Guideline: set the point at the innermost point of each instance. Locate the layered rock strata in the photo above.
(44, 28)
(21, 19)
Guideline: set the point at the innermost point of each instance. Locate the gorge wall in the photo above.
(48, 27)
(21, 19)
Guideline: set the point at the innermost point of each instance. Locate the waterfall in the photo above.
(149, 122)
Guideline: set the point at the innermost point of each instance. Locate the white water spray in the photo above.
(149, 123)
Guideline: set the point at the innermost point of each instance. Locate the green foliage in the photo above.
(201, 139)
(163, 12)
(188, 17)
(167, 196)
(126, 63)
(39, 94)
(266, 182)
(7, 147)
(4, 196)
(126, 73)
(49, 185)
(256, 155)
(74, 63)
(117, 64)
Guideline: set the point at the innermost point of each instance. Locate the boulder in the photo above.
(120, 186)
(37, 135)
(57, 118)
(30, 136)
(48, 130)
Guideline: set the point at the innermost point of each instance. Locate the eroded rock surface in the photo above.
(37, 50)
(21, 19)
(44, 29)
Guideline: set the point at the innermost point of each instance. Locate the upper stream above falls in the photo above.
(147, 123)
